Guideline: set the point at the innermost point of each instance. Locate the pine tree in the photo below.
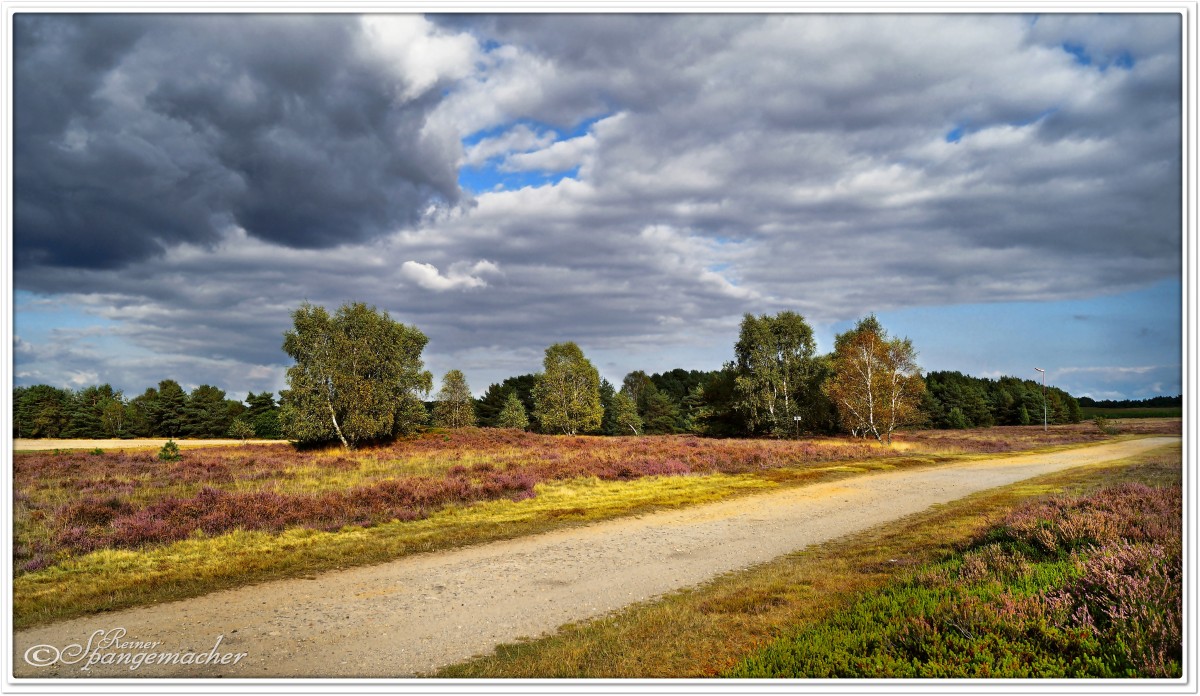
(513, 414)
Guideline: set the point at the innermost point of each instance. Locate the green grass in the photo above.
(707, 630)
(1089, 412)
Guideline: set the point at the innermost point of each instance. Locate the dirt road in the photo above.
(27, 445)
(418, 613)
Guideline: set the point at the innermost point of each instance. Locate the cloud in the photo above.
(562, 155)
(203, 178)
(417, 52)
(1120, 382)
(520, 138)
(135, 134)
(1110, 371)
(458, 276)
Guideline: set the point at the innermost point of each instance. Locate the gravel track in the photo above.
(44, 445)
(422, 612)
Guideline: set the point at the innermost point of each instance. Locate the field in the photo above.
(1163, 412)
(118, 528)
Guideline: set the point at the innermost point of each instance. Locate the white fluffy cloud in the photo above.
(520, 138)
(561, 156)
(416, 51)
(458, 277)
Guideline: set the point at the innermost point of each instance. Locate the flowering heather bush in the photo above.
(1019, 604)
(1131, 512)
(1009, 438)
(91, 524)
(1131, 595)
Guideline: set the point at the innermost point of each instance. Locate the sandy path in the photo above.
(418, 613)
(41, 445)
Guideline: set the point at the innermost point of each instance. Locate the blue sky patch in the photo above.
(489, 178)
(1123, 60)
(1080, 53)
(1073, 339)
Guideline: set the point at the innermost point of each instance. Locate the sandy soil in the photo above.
(413, 615)
(21, 444)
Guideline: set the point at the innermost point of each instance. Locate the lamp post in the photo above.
(1045, 417)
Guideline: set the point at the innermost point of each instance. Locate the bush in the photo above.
(1104, 426)
(241, 430)
(170, 452)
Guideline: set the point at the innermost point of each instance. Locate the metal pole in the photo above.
(1045, 412)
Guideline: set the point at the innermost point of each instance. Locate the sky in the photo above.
(1003, 189)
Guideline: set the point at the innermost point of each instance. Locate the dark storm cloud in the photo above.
(135, 133)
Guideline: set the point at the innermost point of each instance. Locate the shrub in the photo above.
(241, 430)
(170, 452)
(1103, 425)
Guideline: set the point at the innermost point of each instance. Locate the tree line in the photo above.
(1153, 402)
(101, 412)
(955, 400)
(358, 377)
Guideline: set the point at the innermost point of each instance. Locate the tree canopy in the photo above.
(876, 382)
(454, 407)
(567, 393)
(774, 363)
(358, 376)
(513, 414)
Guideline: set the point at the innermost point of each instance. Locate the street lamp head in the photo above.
(1039, 369)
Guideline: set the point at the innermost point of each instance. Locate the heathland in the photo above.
(104, 530)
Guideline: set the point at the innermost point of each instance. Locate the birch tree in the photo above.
(454, 407)
(567, 393)
(774, 360)
(876, 384)
(624, 415)
(357, 376)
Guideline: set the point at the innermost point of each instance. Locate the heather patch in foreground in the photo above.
(1085, 586)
